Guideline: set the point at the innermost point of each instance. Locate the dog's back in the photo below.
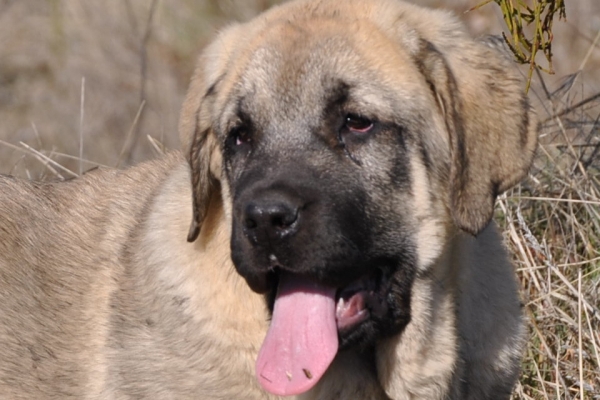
(60, 250)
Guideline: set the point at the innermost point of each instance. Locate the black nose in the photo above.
(270, 218)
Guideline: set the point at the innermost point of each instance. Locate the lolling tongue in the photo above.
(302, 339)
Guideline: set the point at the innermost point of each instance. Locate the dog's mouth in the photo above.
(356, 302)
(310, 322)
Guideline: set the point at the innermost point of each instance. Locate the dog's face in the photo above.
(319, 140)
(348, 145)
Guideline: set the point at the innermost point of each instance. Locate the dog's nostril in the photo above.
(250, 223)
(284, 220)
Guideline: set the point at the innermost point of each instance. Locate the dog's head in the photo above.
(348, 140)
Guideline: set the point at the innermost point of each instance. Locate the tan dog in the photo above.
(337, 151)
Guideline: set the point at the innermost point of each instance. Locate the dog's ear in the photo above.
(198, 140)
(492, 127)
(203, 179)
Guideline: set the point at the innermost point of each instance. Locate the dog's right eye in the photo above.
(239, 136)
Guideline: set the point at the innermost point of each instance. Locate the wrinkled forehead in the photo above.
(301, 66)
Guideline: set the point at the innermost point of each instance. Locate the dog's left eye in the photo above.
(357, 124)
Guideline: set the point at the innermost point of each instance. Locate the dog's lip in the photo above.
(262, 283)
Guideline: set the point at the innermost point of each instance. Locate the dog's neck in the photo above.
(422, 359)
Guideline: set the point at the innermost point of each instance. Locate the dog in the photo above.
(340, 165)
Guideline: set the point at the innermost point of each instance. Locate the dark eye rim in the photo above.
(357, 123)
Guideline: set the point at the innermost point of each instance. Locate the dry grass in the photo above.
(79, 71)
(136, 57)
(552, 224)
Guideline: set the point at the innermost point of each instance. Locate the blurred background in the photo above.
(88, 83)
(74, 74)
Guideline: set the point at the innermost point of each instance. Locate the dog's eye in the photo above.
(240, 136)
(357, 124)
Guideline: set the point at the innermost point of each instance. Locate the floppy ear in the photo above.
(203, 181)
(199, 142)
(492, 127)
(198, 145)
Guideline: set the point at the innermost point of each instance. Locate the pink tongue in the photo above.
(302, 339)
